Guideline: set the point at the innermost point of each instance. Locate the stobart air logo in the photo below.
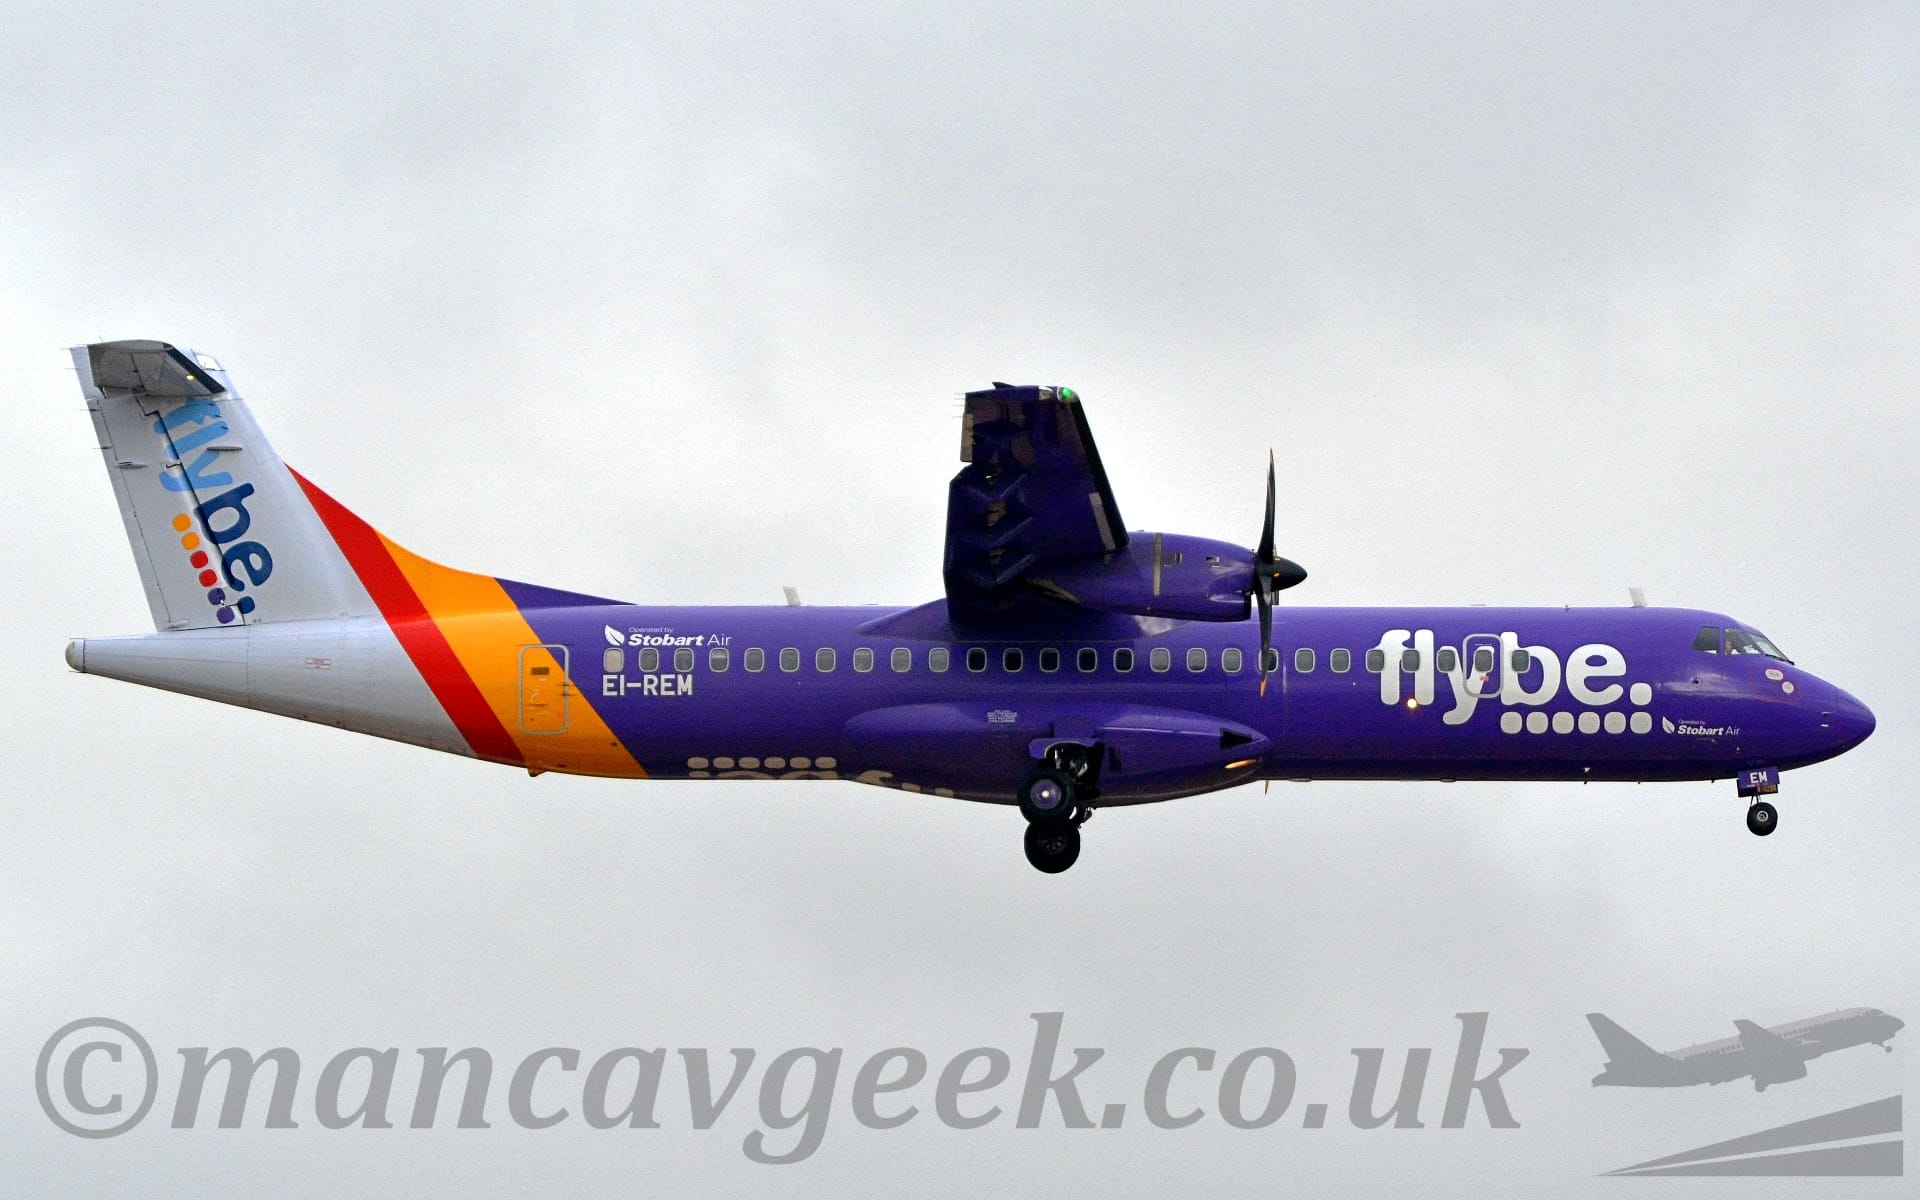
(1483, 669)
(223, 517)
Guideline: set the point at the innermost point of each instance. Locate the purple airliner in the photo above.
(1071, 664)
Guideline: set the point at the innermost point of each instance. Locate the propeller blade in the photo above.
(1266, 631)
(1263, 554)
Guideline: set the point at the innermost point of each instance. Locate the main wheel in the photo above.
(1047, 797)
(1053, 848)
(1761, 818)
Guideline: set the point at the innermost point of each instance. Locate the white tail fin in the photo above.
(221, 532)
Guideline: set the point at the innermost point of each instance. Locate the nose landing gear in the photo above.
(1056, 799)
(1762, 817)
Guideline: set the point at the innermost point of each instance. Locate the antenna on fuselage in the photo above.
(793, 596)
(1638, 597)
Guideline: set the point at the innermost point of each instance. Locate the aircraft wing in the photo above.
(1768, 1048)
(1754, 1037)
(1032, 496)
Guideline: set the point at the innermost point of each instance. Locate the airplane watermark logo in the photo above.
(1766, 1055)
(1860, 1141)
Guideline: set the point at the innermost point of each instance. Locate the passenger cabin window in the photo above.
(1522, 661)
(824, 659)
(1409, 660)
(613, 660)
(1123, 659)
(789, 659)
(1012, 659)
(1271, 657)
(719, 659)
(1303, 660)
(938, 660)
(1340, 661)
(1049, 659)
(863, 659)
(976, 659)
(1196, 659)
(683, 659)
(755, 659)
(1708, 639)
(650, 659)
(1447, 658)
(1088, 659)
(902, 659)
(1483, 659)
(1161, 659)
(1231, 660)
(1377, 660)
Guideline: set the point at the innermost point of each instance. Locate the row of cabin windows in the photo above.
(1087, 659)
(939, 659)
(1446, 659)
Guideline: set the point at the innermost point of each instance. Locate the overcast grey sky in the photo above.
(672, 305)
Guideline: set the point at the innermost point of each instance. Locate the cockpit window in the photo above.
(1708, 639)
(1748, 641)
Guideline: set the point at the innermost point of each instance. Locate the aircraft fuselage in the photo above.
(1356, 693)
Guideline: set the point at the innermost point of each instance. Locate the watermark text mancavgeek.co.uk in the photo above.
(98, 1078)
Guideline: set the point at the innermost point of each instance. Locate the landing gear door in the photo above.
(543, 689)
(1480, 660)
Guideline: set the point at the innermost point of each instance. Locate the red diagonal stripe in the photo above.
(411, 622)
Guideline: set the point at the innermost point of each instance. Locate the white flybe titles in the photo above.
(1593, 675)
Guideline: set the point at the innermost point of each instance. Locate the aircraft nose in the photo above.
(1853, 721)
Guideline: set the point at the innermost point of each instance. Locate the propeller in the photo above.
(1271, 574)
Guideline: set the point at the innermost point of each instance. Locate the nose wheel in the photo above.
(1756, 784)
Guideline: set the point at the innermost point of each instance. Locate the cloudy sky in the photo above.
(671, 304)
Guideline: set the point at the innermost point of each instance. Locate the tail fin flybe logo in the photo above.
(223, 519)
(1860, 1141)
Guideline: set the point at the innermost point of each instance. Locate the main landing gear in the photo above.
(1762, 817)
(1056, 799)
(1053, 848)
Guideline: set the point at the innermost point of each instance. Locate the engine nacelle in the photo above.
(1778, 1073)
(1158, 575)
